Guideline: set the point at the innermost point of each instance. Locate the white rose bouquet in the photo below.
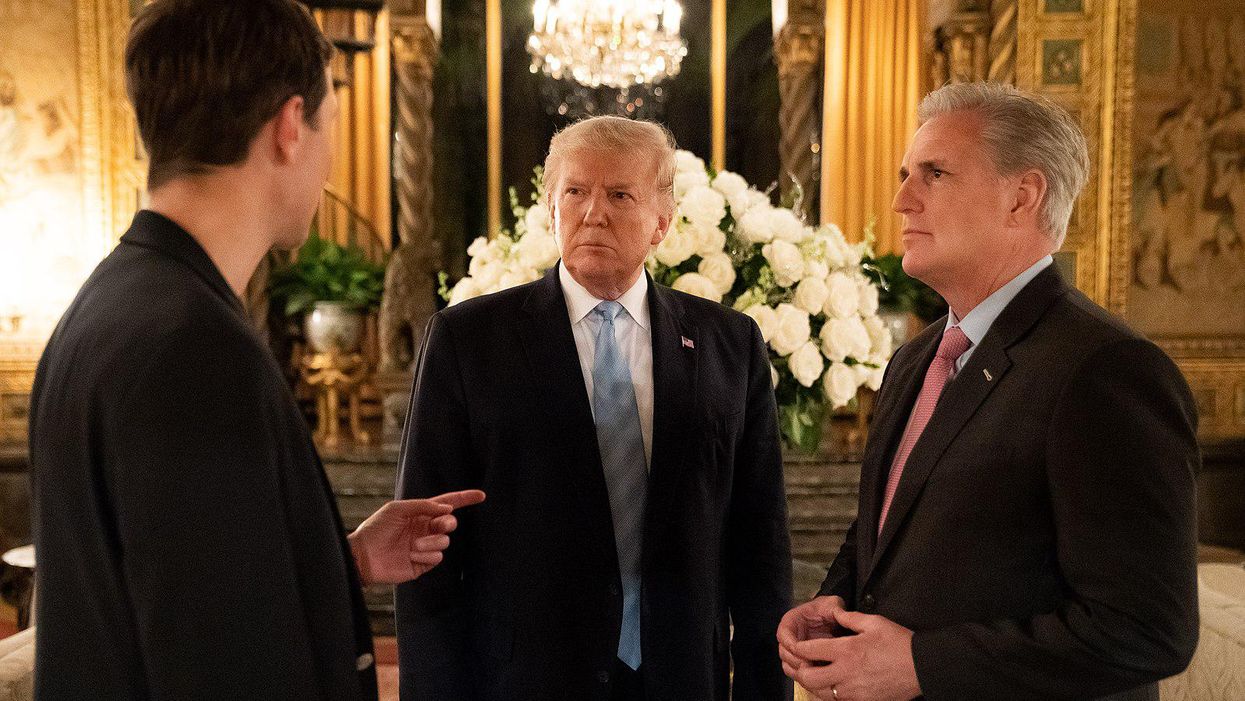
(804, 286)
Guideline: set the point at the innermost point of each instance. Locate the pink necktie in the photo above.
(952, 346)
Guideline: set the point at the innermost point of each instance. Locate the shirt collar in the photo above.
(977, 322)
(580, 302)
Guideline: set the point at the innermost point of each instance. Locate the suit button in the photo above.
(365, 660)
(868, 603)
(613, 590)
(603, 677)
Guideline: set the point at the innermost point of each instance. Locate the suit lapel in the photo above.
(547, 340)
(890, 418)
(985, 370)
(674, 400)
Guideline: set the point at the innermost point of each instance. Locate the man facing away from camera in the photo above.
(1026, 525)
(189, 546)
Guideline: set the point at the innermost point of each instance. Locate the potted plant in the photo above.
(332, 288)
(901, 297)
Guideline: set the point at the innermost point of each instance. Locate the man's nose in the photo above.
(594, 213)
(905, 201)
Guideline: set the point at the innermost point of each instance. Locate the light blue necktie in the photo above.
(626, 474)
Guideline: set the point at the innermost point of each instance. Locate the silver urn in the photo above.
(333, 327)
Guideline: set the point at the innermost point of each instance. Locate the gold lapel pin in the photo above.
(989, 377)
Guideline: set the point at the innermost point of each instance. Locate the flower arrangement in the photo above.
(805, 286)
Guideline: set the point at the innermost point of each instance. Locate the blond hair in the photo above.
(618, 135)
(1023, 131)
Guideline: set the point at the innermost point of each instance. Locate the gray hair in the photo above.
(1023, 131)
(619, 135)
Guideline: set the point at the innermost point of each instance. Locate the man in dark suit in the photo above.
(189, 546)
(1026, 524)
(627, 436)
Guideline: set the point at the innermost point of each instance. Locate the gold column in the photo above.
(798, 49)
(872, 87)
(492, 31)
(717, 72)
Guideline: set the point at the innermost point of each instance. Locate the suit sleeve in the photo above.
(435, 458)
(196, 482)
(1121, 457)
(759, 568)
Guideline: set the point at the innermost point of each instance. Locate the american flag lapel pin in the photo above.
(687, 342)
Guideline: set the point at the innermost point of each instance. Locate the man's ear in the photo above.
(288, 128)
(663, 226)
(1030, 192)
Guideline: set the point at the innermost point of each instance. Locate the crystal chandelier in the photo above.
(612, 43)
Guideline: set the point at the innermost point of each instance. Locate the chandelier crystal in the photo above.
(612, 43)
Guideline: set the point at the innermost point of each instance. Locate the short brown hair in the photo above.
(205, 75)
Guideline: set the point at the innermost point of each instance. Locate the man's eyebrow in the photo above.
(932, 165)
(903, 173)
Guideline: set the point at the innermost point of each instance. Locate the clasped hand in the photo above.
(404, 539)
(841, 655)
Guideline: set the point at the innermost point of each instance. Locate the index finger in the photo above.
(458, 500)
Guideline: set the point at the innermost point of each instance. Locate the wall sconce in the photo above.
(350, 25)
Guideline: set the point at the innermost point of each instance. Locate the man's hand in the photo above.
(810, 621)
(875, 664)
(404, 539)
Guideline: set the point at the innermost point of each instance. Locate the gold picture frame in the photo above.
(104, 153)
(1084, 55)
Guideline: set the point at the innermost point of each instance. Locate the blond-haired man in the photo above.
(626, 434)
(1026, 519)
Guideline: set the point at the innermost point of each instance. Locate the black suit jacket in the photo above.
(1041, 542)
(188, 544)
(527, 603)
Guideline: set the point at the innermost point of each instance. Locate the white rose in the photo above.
(703, 206)
(786, 226)
(833, 246)
(875, 378)
(786, 261)
(844, 297)
(699, 285)
(464, 289)
(868, 298)
(754, 226)
(709, 240)
(845, 338)
(536, 251)
(677, 247)
(880, 339)
(685, 161)
(766, 318)
(810, 294)
(517, 276)
(862, 372)
(840, 385)
(536, 219)
(773, 375)
(814, 267)
(478, 248)
(806, 364)
(685, 181)
(486, 272)
(792, 330)
(731, 185)
(719, 269)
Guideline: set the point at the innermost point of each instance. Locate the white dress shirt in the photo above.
(635, 342)
(978, 321)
